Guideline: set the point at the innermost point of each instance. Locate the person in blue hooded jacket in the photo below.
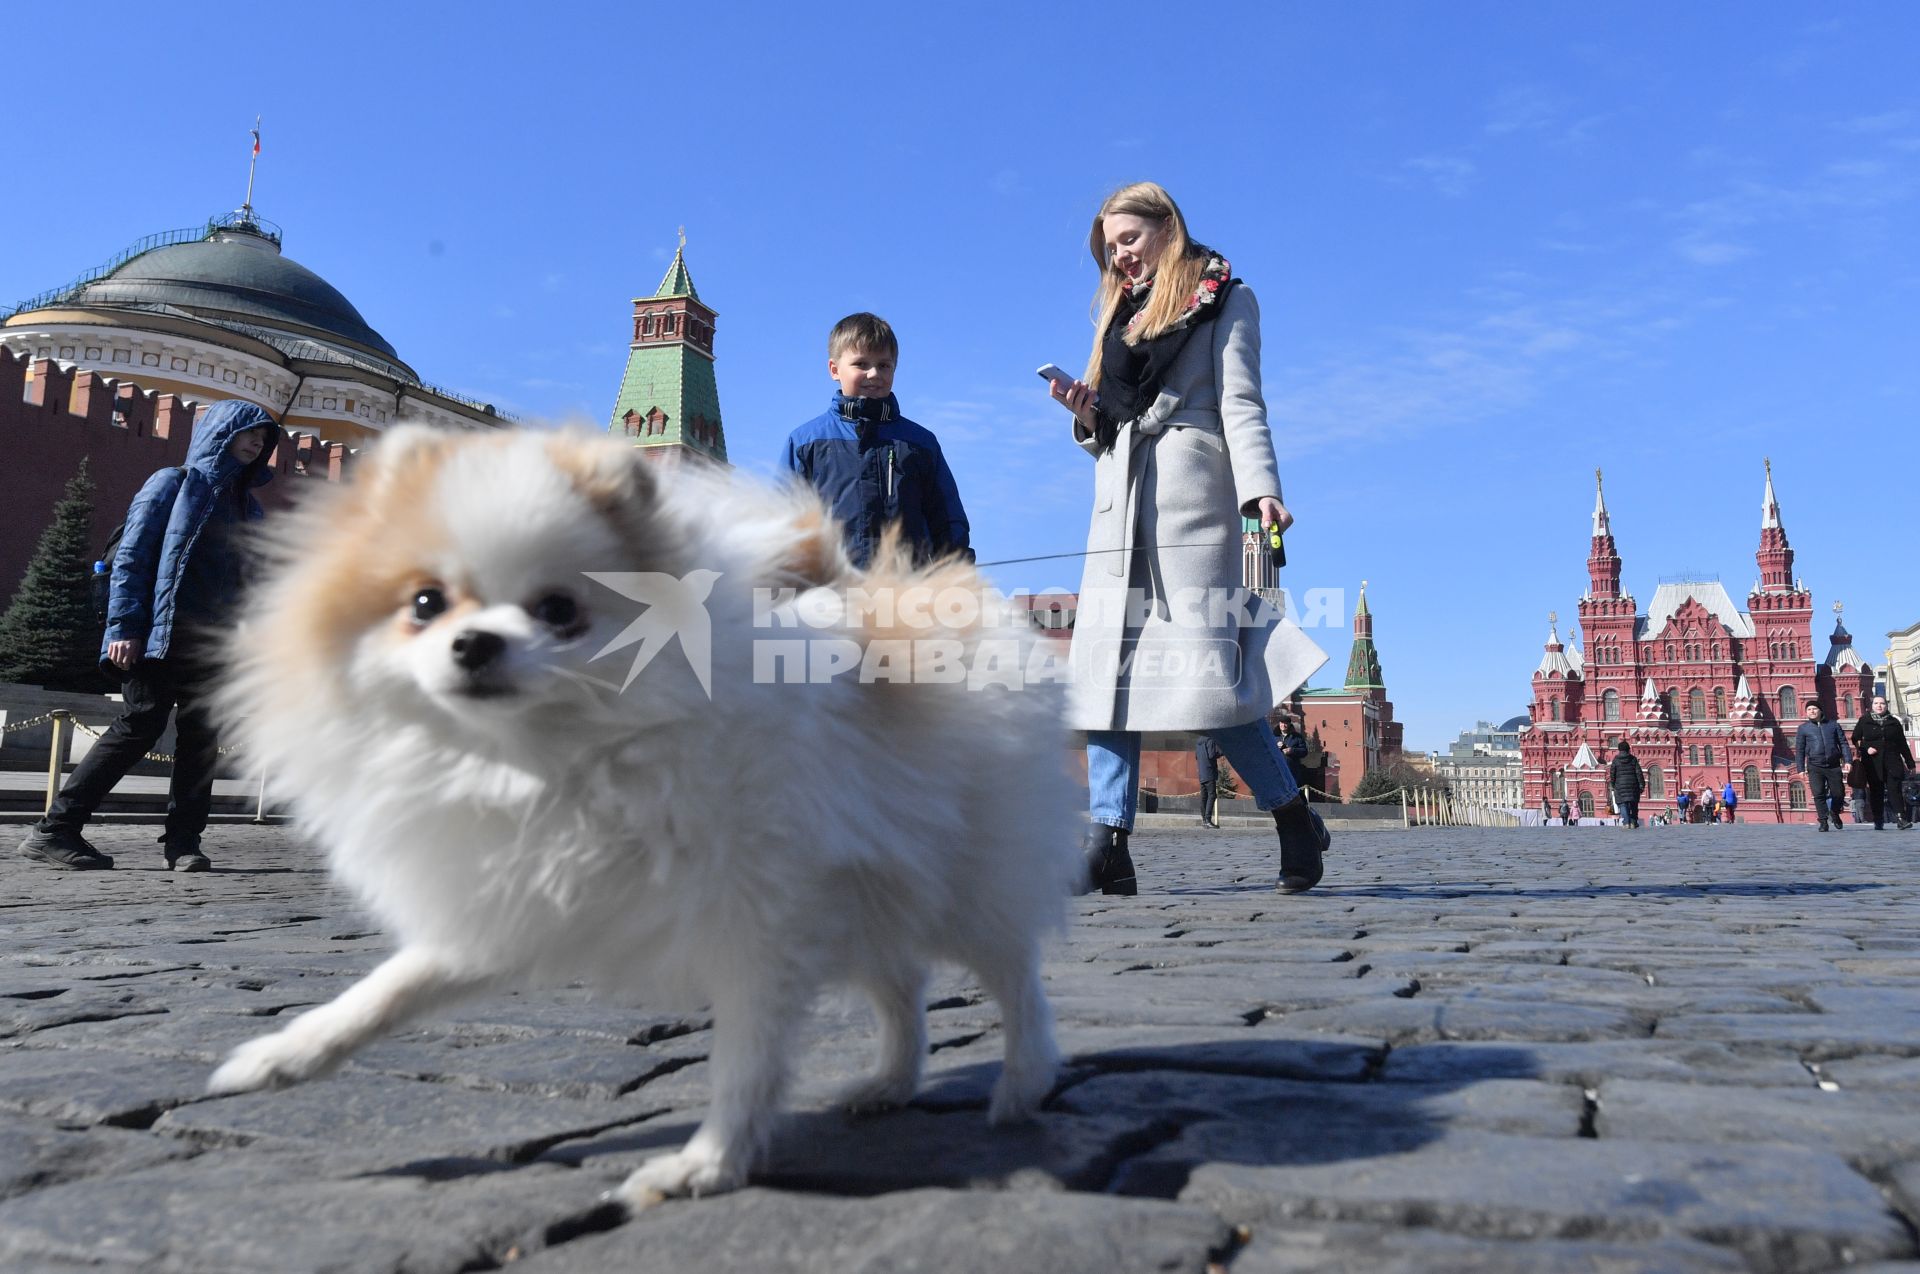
(176, 577)
(873, 466)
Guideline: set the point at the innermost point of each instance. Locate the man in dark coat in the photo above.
(1206, 760)
(1882, 743)
(1627, 781)
(1820, 752)
(176, 579)
(1293, 747)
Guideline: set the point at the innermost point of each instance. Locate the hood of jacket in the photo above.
(207, 453)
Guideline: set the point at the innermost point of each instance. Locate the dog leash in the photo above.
(1274, 548)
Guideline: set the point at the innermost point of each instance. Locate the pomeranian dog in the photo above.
(556, 715)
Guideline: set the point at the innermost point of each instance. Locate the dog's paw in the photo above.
(1017, 1094)
(689, 1171)
(878, 1094)
(272, 1061)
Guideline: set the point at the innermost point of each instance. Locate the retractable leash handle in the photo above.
(1276, 544)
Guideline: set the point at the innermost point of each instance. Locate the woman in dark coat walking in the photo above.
(1880, 742)
(1627, 780)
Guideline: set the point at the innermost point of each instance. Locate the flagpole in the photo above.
(246, 208)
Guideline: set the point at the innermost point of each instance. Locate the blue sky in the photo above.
(1495, 245)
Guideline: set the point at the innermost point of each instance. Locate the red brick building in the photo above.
(1704, 693)
(51, 417)
(1352, 725)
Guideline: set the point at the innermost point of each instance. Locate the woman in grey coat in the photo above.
(1167, 636)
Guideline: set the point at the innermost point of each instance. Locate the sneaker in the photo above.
(63, 848)
(189, 859)
(1822, 827)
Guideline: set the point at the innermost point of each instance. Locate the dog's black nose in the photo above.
(477, 648)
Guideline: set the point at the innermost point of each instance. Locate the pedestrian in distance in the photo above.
(1170, 410)
(1729, 800)
(1626, 780)
(1566, 815)
(1820, 751)
(1293, 746)
(1681, 802)
(875, 468)
(176, 579)
(1206, 763)
(1881, 741)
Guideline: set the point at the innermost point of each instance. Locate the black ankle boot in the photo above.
(1109, 866)
(1303, 839)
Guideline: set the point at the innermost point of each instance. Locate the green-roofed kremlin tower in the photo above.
(1363, 665)
(669, 404)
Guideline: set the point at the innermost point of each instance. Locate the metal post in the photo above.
(1403, 809)
(54, 756)
(260, 808)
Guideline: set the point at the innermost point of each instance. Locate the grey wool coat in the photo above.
(1167, 637)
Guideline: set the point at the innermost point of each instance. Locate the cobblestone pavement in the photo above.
(1683, 1049)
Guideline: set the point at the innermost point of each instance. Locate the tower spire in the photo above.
(1603, 562)
(1600, 524)
(1363, 664)
(669, 404)
(1775, 555)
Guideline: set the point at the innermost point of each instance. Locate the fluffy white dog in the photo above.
(421, 677)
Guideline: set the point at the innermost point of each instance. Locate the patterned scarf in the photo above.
(1132, 373)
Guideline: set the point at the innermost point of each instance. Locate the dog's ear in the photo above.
(613, 476)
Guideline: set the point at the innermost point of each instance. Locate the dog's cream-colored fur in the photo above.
(529, 821)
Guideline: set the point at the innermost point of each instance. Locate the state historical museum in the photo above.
(1704, 694)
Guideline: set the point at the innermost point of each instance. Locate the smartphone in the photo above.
(1049, 371)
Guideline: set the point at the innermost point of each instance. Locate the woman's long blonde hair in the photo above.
(1177, 274)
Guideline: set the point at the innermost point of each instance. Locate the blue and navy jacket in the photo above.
(874, 467)
(177, 562)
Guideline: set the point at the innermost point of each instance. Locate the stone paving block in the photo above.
(1236, 1119)
(395, 1118)
(1860, 1127)
(1788, 1210)
(88, 1087)
(555, 1065)
(913, 1232)
(1873, 1072)
(1295, 1248)
(81, 1004)
(837, 1153)
(1815, 1036)
(34, 1154)
(244, 1212)
(1590, 1063)
(1468, 1016)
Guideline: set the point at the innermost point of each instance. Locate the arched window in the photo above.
(1709, 751)
(1797, 796)
(1793, 648)
(1750, 783)
(1673, 704)
(1586, 805)
(1610, 706)
(1560, 785)
(1554, 704)
(1669, 652)
(1849, 712)
(1716, 650)
(1693, 754)
(1788, 710)
(1656, 782)
(1719, 703)
(1696, 704)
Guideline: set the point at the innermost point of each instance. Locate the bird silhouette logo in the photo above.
(675, 607)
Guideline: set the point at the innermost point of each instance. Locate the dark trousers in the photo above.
(1884, 796)
(1629, 809)
(154, 688)
(1209, 801)
(1828, 791)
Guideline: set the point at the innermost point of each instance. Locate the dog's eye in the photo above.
(428, 603)
(556, 610)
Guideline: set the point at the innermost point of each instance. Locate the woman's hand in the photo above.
(120, 654)
(1274, 513)
(1078, 399)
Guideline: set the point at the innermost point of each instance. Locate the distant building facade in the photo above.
(1899, 677)
(1483, 765)
(218, 311)
(1704, 693)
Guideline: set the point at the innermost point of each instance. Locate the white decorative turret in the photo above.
(1746, 709)
(1653, 710)
(1556, 660)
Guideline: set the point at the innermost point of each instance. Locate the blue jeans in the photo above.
(1113, 770)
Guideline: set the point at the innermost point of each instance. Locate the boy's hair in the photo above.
(862, 331)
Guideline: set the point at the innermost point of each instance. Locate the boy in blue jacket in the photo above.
(872, 465)
(175, 576)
